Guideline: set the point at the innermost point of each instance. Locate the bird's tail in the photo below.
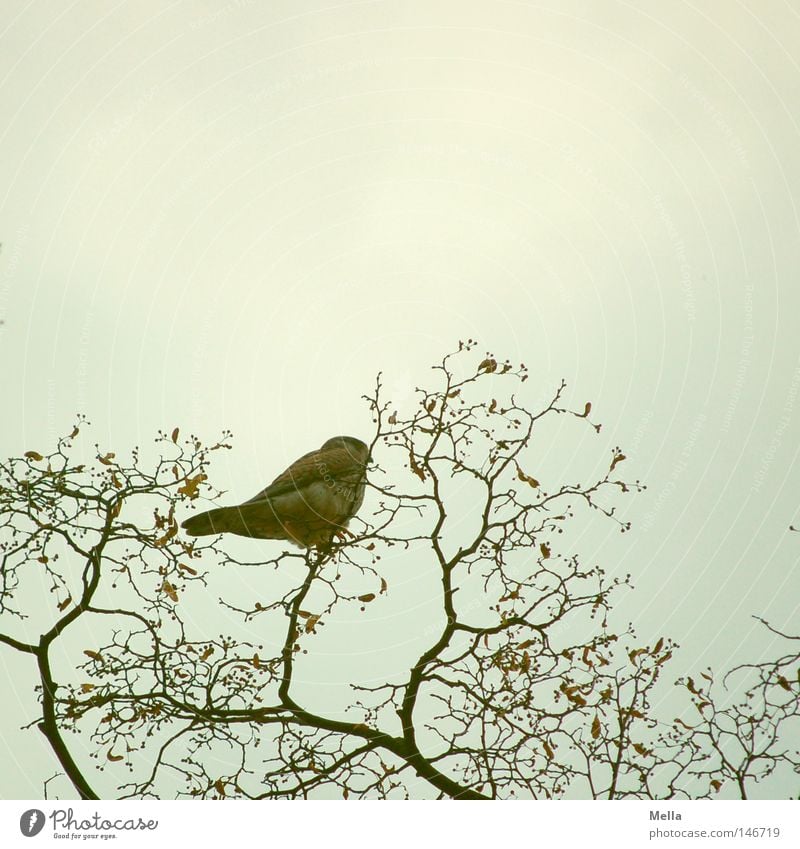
(217, 521)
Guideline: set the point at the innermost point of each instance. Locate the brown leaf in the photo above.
(219, 786)
(393, 418)
(33, 455)
(493, 405)
(175, 434)
(548, 750)
(188, 569)
(596, 728)
(171, 532)
(716, 784)
(784, 683)
(587, 409)
(642, 750)
(526, 644)
(311, 622)
(66, 603)
(658, 646)
(384, 586)
(430, 406)
(167, 588)
(618, 458)
(107, 459)
(207, 652)
(87, 688)
(190, 486)
(112, 757)
(367, 597)
(488, 365)
(256, 661)
(545, 549)
(414, 467)
(527, 478)
(94, 655)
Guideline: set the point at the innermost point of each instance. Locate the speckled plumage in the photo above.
(307, 504)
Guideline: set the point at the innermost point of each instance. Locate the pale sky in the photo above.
(233, 214)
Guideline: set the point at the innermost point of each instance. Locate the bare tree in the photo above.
(524, 688)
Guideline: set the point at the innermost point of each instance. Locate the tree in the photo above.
(523, 686)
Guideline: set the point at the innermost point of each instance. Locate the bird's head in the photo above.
(357, 449)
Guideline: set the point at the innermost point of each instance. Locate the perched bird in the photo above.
(308, 504)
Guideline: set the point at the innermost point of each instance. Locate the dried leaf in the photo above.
(548, 750)
(414, 467)
(112, 757)
(545, 549)
(66, 603)
(256, 661)
(384, 586)
(367, 597)
(596, 728)
(188, 569)
(587, 409)
(94, 655)
(489, 365)
(784, 683)
(658, 646)
(33, 455)
(167, 588)
(190, 486)
(163, 540)
(642, 750)
(310, 623)
(527, 478)
(107, 459)
(716, 784)
(175, 435)
(87, 688)
(393, 418)
(207, 652)
(219, 786)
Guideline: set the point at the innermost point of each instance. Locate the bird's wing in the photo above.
(319, 465)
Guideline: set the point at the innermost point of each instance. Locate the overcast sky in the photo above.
(233, 214)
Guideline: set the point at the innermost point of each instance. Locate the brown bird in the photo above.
(308, 504)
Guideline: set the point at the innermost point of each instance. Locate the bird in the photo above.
(307, 505)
